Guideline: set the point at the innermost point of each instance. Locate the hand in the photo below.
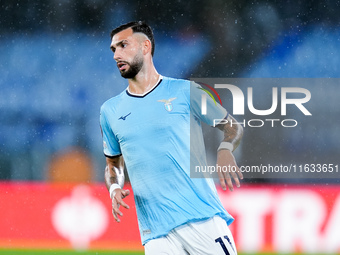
(117, 201)
(228, 168)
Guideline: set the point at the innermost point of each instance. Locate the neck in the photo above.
(145, 80)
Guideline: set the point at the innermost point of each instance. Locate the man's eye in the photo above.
(124, 45)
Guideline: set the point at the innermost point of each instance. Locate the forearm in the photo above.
(114, 171)
(233, 131)
(114, 176)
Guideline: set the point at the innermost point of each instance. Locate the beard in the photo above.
(134, 67)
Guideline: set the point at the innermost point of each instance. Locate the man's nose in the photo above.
(117, 55)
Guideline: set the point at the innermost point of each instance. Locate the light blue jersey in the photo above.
(152, 132)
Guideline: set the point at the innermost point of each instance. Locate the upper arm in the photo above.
(111, 145)
(200, 99)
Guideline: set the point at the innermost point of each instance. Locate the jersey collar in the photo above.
(147, 92)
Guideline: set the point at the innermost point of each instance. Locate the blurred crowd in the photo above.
(240, 31)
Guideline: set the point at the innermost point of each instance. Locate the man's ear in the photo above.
(147, 47)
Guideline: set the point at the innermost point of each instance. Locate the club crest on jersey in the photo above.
(167, 103)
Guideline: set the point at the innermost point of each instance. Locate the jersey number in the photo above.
(220, 241)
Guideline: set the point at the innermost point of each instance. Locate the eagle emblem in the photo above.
(167, 103)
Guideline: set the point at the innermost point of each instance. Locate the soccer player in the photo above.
(147, 127)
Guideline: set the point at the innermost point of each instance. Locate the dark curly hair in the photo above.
(137, 27)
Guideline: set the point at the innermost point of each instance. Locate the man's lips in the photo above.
(121, 65)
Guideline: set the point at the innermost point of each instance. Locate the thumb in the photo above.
(125, 192)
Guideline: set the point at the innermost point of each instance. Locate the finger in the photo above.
(234, 174)
(117, 212)
(238, 171)
(122, 203)
(240, 175)
(114, 211)
(222, 180)
(120, 198)
(125, 193)
(237, 181)
(229, 182)
(115, 216)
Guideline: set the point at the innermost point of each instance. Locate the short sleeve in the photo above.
(111, 145)
(204, 107)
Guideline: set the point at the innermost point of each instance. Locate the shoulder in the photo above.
(175, 81)
(181, 82)
(180, 85)
(112, 103)
(186, 86)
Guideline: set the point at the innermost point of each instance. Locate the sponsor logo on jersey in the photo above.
(124, 117)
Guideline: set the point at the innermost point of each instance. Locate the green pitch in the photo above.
(69, 252)
(61, 252)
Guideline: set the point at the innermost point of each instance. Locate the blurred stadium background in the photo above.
(57, 69)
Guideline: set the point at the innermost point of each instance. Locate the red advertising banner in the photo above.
(277, 218)
(285, 218)
(39, 215)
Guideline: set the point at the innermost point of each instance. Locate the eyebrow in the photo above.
(117, 44)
